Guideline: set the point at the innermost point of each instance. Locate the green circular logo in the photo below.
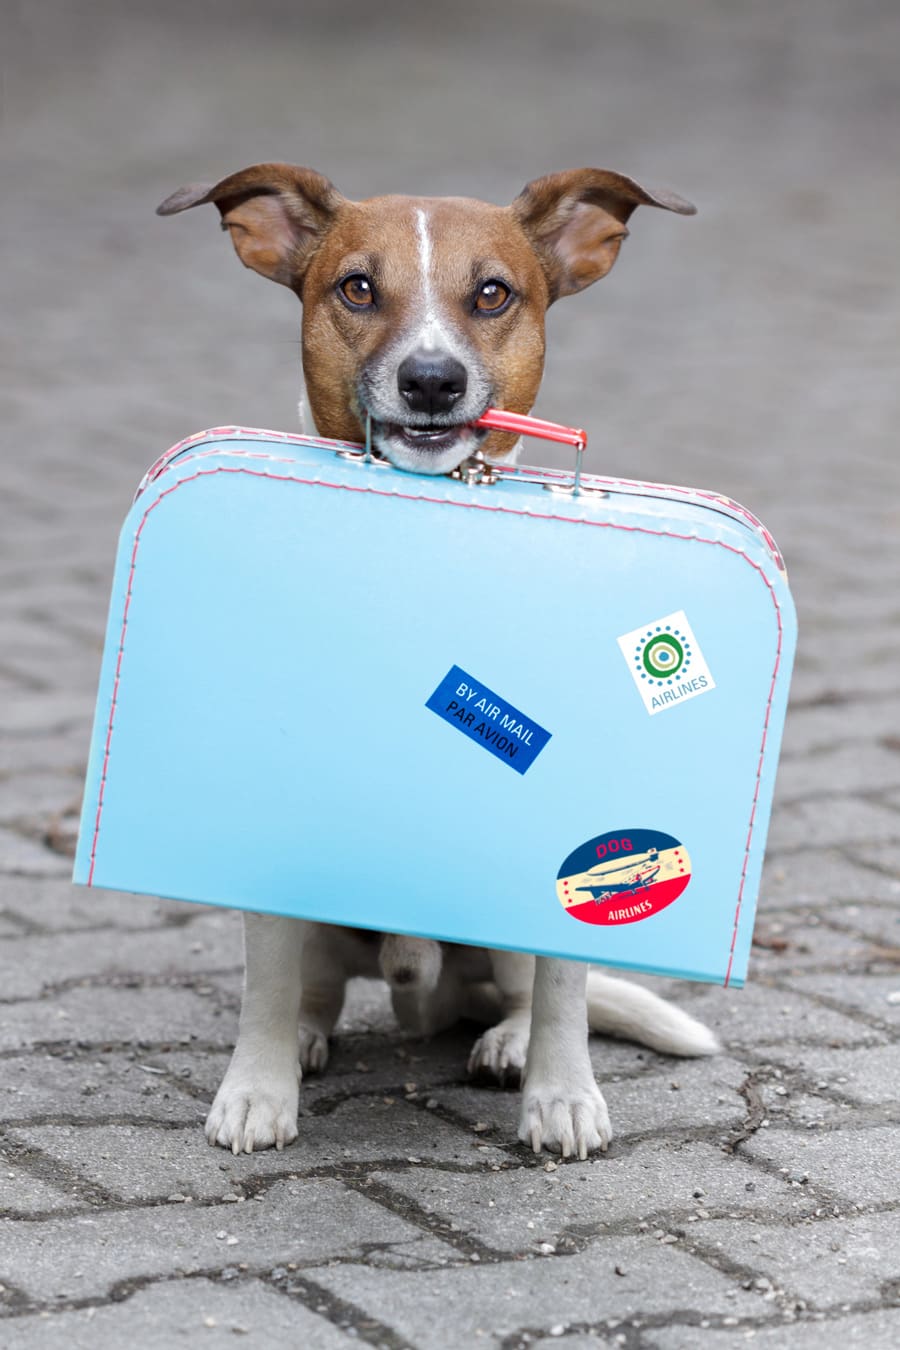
(663, 656)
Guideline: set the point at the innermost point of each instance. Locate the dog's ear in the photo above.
(576, 222)
(276, 214)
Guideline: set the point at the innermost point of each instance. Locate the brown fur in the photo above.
(290, 224)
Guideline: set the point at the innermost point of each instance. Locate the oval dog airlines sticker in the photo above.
(623, 876)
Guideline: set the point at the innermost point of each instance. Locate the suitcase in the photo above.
(507, 708)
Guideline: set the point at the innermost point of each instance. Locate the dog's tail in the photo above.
(620, 1008)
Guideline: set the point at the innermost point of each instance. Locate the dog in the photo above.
(418, 314)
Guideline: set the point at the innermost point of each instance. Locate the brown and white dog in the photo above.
(418, 314)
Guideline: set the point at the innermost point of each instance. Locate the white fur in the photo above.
(256, 1105)
(538, 1011)
(429, 329)
(431, 336)
(562, 1107)
(435, 331)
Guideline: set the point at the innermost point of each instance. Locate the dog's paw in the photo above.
(500, 1052)
(254, 1112)
(565, 1120)
(313, 1049)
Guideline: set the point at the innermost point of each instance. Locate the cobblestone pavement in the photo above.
(752, 350)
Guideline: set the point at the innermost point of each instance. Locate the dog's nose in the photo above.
(430, 382)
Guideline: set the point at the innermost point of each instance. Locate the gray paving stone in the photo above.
(654, 1181)
(37, 795)
(706, 1096)
(852, 937)
(307, 1222)
(20, 856)
(146, 1163)
(589, 1341)
(881, 857)
(198, 1071)
(788, 880)
(827, 820)
(152, 1162)
(639, 1102)
(38, 645)
(822, 726)
(182, 1312)
(758, 1016)
(867, 994)
(812, 1111)
(871, 1077)
(21, 1193)
(106, 1015)
(47, 751)
(879, 924)
(493, 1301)
(826, 1262)
(857, 1166)
(29, 712)
(31, 964)
(859, 767)
(867, 672)
(360, 1129)
(94, 1084)
(56, 904)
(869, 1331)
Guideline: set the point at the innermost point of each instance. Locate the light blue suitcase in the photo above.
(501, 712)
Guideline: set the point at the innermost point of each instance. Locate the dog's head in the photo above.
(422, 312)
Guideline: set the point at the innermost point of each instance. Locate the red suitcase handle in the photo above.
(495, 419)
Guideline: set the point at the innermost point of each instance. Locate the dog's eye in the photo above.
(358, 291)
(493, 297)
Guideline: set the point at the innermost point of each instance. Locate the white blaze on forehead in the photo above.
(432, 334)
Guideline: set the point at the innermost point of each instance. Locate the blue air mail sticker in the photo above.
(666, 662)
(488, 719)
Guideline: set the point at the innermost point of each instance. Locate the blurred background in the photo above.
(750, 349)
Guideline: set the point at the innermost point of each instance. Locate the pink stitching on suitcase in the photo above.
(469, 506)
(159, 466)
(164, 462)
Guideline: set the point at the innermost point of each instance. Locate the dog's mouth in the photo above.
(432, 438)
(432, 448)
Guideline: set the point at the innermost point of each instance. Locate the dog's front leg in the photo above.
(325, 965)
(256, 1106)
(562, 1106)
(500, 1052)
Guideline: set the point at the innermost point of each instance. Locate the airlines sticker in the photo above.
(666, 662)
(624, 876)
(489, 720)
